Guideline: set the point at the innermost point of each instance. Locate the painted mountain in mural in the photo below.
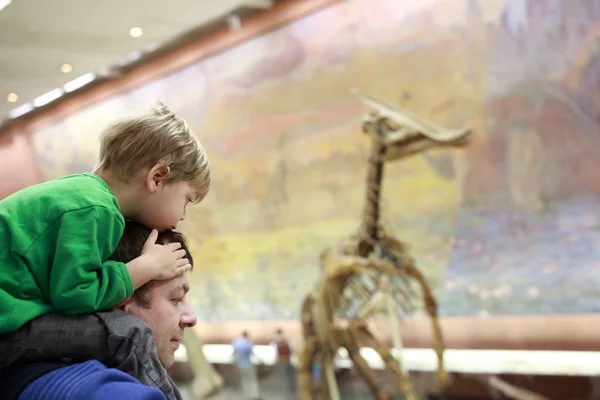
(538, 146)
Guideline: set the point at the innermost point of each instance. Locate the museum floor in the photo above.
(272, 389)
(272, 392)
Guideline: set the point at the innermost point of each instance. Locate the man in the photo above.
(160, 305)
(242, 353)
(283, 367)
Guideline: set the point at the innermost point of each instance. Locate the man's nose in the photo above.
(188, 318)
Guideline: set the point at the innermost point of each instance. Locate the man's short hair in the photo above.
(157, 136)
(130, 247)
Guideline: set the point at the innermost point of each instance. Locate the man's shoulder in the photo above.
(90, 380)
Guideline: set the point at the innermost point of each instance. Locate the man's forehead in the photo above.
(180, 282)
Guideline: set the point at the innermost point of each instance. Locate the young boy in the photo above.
(57, 238)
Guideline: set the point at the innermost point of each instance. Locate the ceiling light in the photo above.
(48, 97)
(79, 82)
(134, 56)
(131, 58)
(4, 4)
(21, 110)
(151, 48)
(263, 4)
(136, 32)
(12, 97)
(66, 68)
(234, 22)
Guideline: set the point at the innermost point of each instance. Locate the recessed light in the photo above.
(12, 97)
(66, 68)
(136, 32)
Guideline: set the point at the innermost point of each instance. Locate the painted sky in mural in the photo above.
(508, 226)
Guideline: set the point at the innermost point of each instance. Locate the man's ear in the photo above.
(126, 305)
(121, 305)
(157, 177)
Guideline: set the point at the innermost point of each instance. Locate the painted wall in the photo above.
(510, 226)
(17, 159)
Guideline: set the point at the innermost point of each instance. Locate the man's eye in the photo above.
(177, 301)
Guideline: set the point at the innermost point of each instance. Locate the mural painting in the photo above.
(509, 226)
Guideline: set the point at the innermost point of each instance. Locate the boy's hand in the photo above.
(165, 261)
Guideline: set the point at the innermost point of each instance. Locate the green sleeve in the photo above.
(82, 279)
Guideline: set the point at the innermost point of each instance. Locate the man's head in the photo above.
(157, 154)
(161, 304)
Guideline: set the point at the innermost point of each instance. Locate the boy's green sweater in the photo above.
(55, 241)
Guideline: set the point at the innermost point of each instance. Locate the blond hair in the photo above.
(154, 137)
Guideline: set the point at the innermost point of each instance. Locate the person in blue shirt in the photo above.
(163, 315)
(242, 353)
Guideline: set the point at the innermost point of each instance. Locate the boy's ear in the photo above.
(157, 177)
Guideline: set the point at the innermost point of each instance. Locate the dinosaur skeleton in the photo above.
(369, 271)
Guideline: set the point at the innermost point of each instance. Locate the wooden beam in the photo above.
(528, 332)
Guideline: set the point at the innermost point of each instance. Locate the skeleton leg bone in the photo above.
(396, 338)
(513, 391)
(391, 364)
(322, 391)
(305, 353)
(306, 350)
(328, 369)
(349, 340)
(431, 306)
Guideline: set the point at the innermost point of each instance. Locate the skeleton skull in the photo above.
(407, 133)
